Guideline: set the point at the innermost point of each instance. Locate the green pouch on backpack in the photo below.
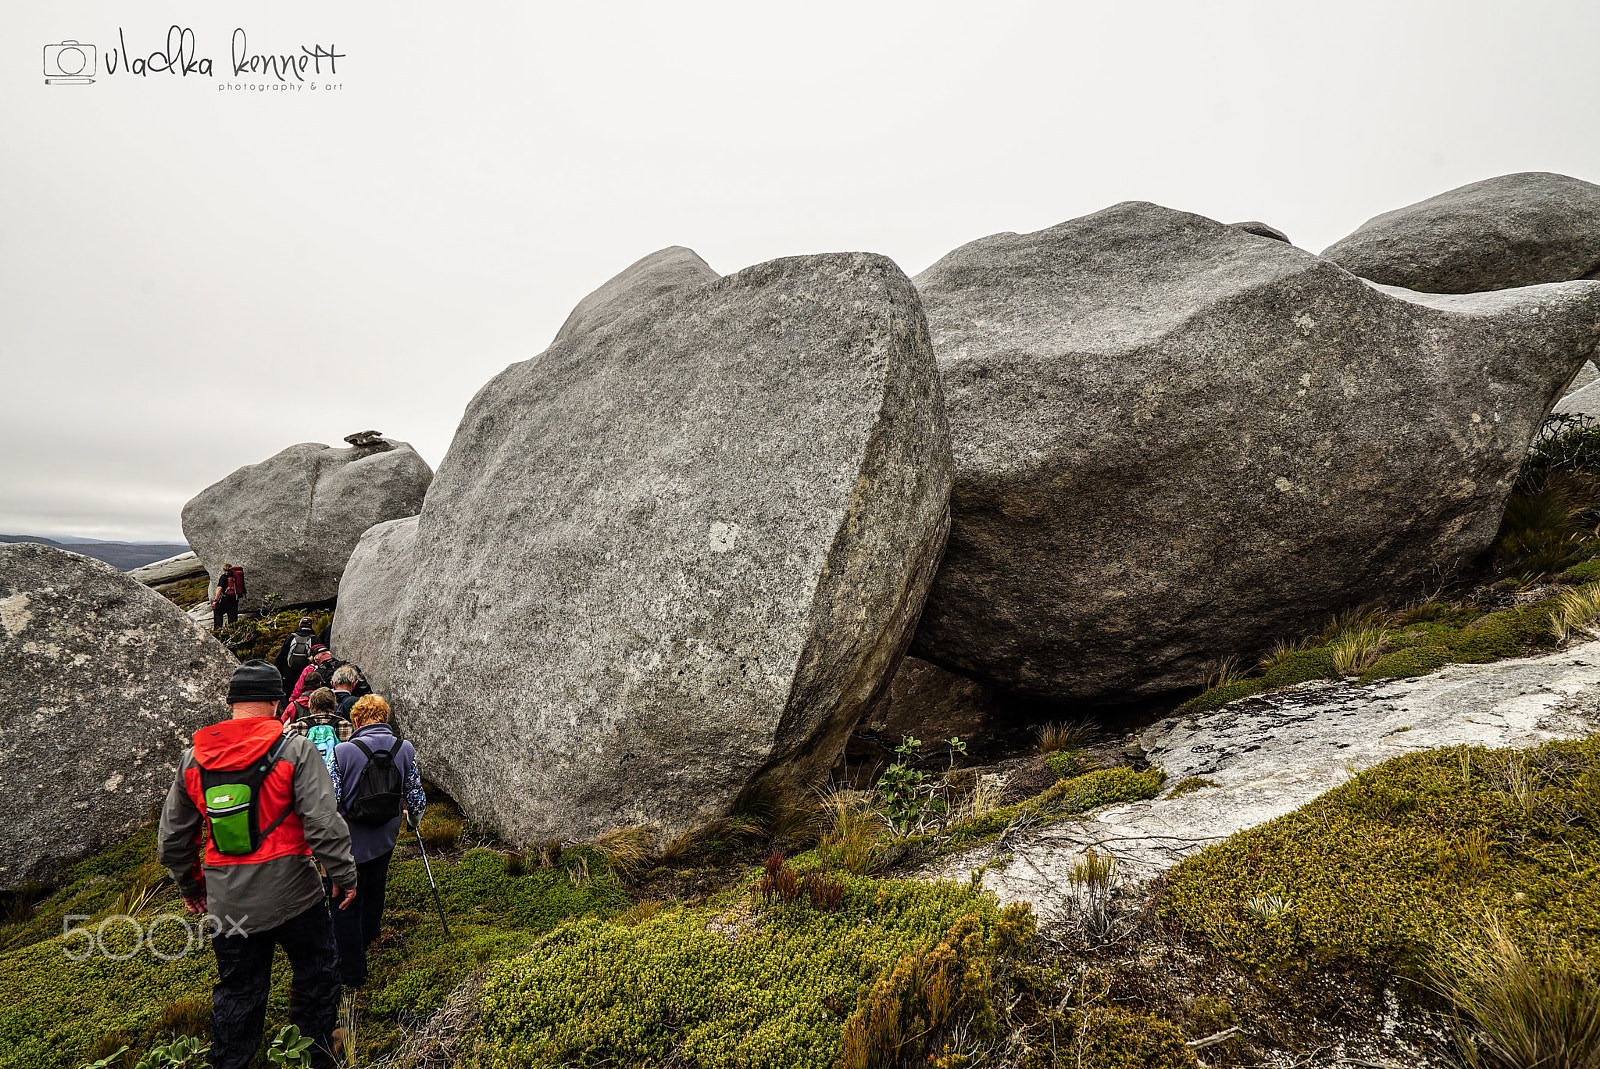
(228, 810)
(233, 804)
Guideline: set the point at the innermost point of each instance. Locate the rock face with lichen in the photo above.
(1176, 440)
(293, 520)
(102, 683)
(675, 558)
(1513, 230)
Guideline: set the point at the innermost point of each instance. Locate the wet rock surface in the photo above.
(1269, 755)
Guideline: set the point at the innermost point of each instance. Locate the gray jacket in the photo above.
(254, 896)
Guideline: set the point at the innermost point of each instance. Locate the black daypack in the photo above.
(233, 804)
(378, 794)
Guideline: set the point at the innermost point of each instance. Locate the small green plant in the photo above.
(901, 788)
(185, 1052)
(288, 1047)
(107, 1061)
(1064, 764)
(957, 746)
(271, 602)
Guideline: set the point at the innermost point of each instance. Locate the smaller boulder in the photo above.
(292, 520)
(369, 600)
(1514, 230)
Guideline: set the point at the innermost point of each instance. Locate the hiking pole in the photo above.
(417, 831)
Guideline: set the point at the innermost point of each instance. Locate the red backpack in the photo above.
(235, 581)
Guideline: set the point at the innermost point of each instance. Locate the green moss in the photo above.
(1419, 647)
(1588, 570)
(1066, 798)
(1189, 785)
(719, 985)
(1066, 763)
(186, 594)
(1111, 1038)
(55, 1013)
(1377, 875)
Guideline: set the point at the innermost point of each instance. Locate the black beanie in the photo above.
(255, 681)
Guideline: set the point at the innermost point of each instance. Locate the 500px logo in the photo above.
(111, 937)
(70, 62)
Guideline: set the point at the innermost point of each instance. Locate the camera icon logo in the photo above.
(69, 63)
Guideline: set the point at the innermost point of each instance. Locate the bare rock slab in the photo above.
(676, 558)
(369, 599)
(1269, 755)
(1176, 440)
(1513, 230)
(293, 520)
(102, 682)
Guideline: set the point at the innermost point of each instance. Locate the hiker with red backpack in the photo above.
(377, 775)
(251, 813)
(225, 603)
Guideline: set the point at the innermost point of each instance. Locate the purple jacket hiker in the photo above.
(368, 841)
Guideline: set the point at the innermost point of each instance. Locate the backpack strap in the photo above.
(271, 760)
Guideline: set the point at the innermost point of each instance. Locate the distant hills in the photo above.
(123, 555)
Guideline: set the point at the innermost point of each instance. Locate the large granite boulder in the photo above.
(292, 520)
(676, 559)
(659, 273)
(369, 599)
(102, 682)
(171, 570)
(1514, 230)
(1175, 441)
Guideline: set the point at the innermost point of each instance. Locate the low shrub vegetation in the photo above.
(1383, 875)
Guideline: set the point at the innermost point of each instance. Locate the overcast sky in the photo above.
(194, 276)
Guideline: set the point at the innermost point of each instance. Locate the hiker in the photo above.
(325, 727)
(257, 874)
(346, 679)
(377, 773)
(295, 652)
(312, 677)
(225, 603)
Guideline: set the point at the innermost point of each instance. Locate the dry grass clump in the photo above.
(625, 849)
(1517, 1013)
(1575, 611)
(638, 913)
(1356, 650)
(1062, 735)
(851, 841)
(1221, 672)
(1280, 652)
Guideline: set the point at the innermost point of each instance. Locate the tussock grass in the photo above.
(851, 842)
(1221, 673)
(1280, 652)
(1357, 650)
(625, 849)
(1062, 735)
(1515, 1011)
(1575, 611)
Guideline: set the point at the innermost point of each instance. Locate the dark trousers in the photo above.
(244, 979)
(227, 605)
(355, 928)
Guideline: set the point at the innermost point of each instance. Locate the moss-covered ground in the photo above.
(1379, 876)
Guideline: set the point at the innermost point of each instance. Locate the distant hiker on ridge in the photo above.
(230, 588)
(267, 806)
